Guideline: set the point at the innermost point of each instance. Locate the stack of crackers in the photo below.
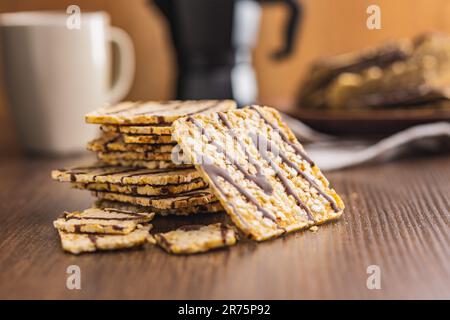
(246, 162)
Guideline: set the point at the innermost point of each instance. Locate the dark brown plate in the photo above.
(370, 122)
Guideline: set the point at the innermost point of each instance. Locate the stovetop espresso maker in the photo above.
(213, 40)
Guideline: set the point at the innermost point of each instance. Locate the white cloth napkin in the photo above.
(333, 153)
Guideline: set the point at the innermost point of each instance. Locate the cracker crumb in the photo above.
(314, 229)
(151, 239)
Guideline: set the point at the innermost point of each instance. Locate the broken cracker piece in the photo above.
(107, 220)
(196, 238)
(151, 239)
(77, 243)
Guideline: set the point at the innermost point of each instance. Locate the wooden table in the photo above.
(397, 217)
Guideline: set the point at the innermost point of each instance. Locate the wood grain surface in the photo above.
(397, 217)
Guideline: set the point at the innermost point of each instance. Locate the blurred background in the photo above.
(328, 27)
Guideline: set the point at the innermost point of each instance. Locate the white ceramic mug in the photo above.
(55, 74)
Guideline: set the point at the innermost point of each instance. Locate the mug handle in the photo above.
(126, 65)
